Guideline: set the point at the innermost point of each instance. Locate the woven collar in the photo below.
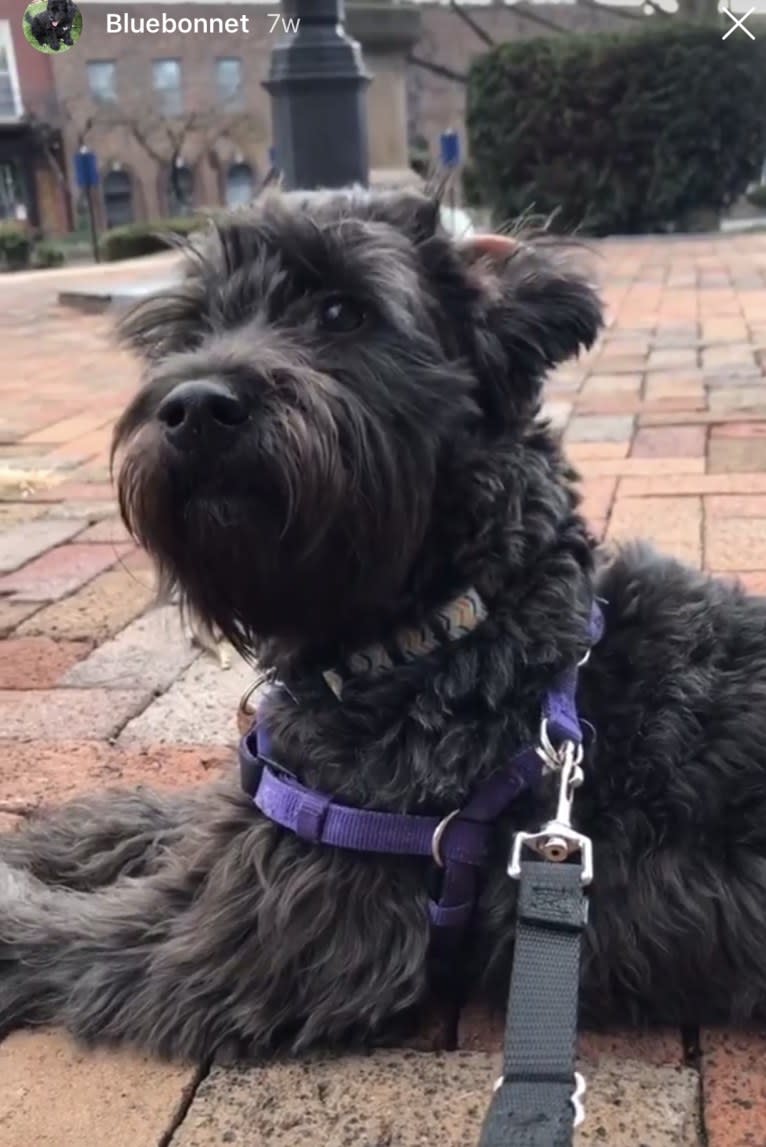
(450, 623)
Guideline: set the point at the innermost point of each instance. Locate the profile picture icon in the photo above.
(52, 25)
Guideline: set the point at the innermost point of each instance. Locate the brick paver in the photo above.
(28, 540)
(666, 421)
(61, 571)
(38, 662)
(43, 771)
(734, 1083)
(53, 1094)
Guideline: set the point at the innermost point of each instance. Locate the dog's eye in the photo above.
(341, 314)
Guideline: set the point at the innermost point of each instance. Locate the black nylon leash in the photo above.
(538, 1099)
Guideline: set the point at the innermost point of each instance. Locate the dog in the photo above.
(338, 433)
(53, 27)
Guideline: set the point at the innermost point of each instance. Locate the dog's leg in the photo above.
(219, 951)
(63, 951)
(90, 842)
(168, 962)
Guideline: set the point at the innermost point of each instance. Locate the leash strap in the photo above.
(537, 1099)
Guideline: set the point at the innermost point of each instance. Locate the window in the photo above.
(166, 76)
(118, 197)
(102, 80)
(12, 197)
(10, 95)
(228, 81)
(240, 184)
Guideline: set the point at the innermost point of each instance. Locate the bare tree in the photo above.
(697, 10)
(47, 121)
(706, 11)
(175, 142)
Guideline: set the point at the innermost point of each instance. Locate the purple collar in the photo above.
(459, 842)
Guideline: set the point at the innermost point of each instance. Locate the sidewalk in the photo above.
(666, 420)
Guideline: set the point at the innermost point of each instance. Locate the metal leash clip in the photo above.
(557, 840)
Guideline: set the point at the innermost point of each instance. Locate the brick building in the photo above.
(32, 183)
(181, 120)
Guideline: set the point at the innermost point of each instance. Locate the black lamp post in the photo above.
(318, 86)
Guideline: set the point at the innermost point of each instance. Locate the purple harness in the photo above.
(459, 842)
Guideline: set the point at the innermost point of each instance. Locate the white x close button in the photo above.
(737, 22)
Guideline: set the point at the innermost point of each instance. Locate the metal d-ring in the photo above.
(436, 839)
(245, 715)
(556, 757)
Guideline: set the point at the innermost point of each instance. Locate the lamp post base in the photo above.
(318, 87)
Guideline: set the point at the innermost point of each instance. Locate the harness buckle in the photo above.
(556, 841)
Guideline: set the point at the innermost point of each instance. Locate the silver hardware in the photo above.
(246, 713)
(498, 1083)
(556, 841)
(436, 839)
(585, 658)
(555, 758)
(578, 1096)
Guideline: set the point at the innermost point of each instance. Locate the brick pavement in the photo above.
(666, 421)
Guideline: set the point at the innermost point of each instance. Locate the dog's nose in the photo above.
(200, 409)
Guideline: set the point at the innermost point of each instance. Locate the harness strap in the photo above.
(459, 842)
(536, 1101)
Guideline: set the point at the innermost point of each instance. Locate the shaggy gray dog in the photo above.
(339, 433)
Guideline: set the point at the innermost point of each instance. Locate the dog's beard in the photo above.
(303, 531)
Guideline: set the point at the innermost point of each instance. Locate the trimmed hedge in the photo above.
(757, 196)
(15, 247)
(47, 254)
(618, 133)
(135, 239)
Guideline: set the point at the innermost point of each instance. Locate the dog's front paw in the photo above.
(17, 996)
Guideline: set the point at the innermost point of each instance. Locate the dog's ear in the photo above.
(173, 319)
(413, 212)
(534, 310)
(163, 324)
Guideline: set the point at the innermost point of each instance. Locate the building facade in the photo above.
(181, 121)
(33, 185)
